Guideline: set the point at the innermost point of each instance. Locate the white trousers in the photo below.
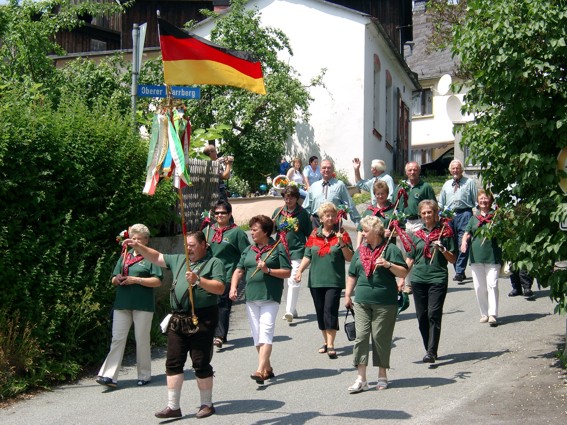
(121, 322)
(292, 288)
(262, 318)
(485, 280)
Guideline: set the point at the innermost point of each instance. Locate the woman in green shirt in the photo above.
(327, 251)
(383, 209)
(485, 258)
(135, 280)
(434, 249)
(373, 270)
(265, 266)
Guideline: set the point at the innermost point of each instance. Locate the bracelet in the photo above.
(389, 265)
(269, 271)
(139, 281)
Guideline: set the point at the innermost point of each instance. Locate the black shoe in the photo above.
(459, 277)
(101, 380)
(514, 293)
(528, 293)
(429, 358)
(168, 413)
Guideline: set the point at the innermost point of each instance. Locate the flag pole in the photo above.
(194, 317)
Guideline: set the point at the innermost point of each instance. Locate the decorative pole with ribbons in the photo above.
(446, 216)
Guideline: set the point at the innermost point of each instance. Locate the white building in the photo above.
(436, 110)
(364, 109)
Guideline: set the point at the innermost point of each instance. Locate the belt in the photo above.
(462, 210)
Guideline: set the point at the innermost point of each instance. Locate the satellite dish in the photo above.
(444, 84)
(454, 109)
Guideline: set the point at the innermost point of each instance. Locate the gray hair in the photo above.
(455, 161)
(378, 165)
(374, 224)
(140, 229)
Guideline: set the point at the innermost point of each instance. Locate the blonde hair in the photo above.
(325, 207)
(373, 224)
(140, 229)
(296, 159)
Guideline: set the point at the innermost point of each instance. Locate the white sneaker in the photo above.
(483, 319)
(288, 317)
(358, 387)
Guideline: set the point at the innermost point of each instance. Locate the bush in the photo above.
(72, 180)
(238, 186)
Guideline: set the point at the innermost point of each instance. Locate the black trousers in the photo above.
(225, 306)
(326, 301)
(521, 281)
(429, 300)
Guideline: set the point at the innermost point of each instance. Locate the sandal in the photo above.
(382, 384)
(331, 353)
(323, 349)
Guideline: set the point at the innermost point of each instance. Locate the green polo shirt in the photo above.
(425, 271)
(327, 271)
(296, 240)
(381, 287)
(136, 297)
(385, 220)
(482, 250)
(208, 267)
(234, 242)
(264, 287)
(416, 194)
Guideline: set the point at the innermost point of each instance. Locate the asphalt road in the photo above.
(503, 375)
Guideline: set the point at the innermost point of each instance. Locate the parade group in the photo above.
(406, 240)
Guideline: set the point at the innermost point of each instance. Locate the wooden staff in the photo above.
(267, 256)
(194, 317)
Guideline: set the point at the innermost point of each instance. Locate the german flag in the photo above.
(191, 60)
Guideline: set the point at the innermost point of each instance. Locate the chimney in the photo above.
(220, 5)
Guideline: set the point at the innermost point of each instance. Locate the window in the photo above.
(422, 103)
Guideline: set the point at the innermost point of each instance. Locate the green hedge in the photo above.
(72, 177)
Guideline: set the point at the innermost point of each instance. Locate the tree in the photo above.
(261, 125)
(443, 17)
(517, 91)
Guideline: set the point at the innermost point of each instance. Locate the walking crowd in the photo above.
(406, 240)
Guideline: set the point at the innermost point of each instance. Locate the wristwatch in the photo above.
(269, 271)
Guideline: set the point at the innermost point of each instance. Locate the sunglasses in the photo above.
(220, 213)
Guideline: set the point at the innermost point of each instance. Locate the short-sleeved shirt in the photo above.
(312, 176)
(461, 198)
(368, 185)
(333, 191)
(208, 267)
(295, 239)
(483, 250)
(381, 287)
(385, 220)
(426, 271)
(234, 242)
(326, 271)
(136, 297)
(264, 287)
(416, 194)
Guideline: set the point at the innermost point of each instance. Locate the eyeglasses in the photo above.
(221, 213)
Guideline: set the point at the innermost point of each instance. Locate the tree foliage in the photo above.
(261, 125)
(443, 17)
(72, 172)
(518, 94)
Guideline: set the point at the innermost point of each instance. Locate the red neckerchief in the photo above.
(379, 211)
(206, 222)
(325, 242)
(406, 240)
(432, 236)
(484, 219)
(219, 231)
(259, 251)
(369, 256)
(130, 261)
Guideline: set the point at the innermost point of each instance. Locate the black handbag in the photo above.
(350, 328)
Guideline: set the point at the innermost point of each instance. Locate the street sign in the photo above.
(177, 92)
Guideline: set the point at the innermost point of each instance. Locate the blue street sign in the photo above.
(177, 92)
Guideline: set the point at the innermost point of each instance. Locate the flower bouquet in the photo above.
(280, 183)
